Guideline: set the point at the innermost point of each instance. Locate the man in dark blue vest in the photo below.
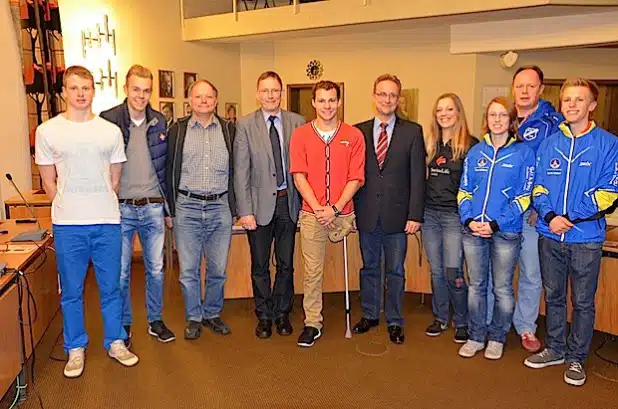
(142, 194)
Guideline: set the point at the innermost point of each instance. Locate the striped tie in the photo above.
(382, 145)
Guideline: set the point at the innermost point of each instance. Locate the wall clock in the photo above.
(314, 70)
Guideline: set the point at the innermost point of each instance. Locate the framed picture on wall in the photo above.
(300, 97)
(231, 111)
(189, 78)
(407, 107)
(167, 109)
(166, 84)
(186, 109)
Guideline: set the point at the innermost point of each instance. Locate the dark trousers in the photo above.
(395, 246)
(582, 262)
(276, 302)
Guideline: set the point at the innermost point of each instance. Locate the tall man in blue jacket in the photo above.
(576, 184)
(537, 120)
(142, 196)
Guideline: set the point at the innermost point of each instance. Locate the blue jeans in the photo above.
(202, 227)
(583, 262)
(148, 222)
(395, 246)
(503, 251)
(530, 285)
(75, 247)
(444, 247)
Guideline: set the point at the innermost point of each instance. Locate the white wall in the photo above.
(15, 153)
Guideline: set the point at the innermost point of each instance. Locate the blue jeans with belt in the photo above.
(442, 233)
(202, 227)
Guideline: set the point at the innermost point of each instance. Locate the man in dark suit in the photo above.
(388, 206)
(268, 202)
(200, 180)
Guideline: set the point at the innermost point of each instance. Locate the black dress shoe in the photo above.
(217, 326)
(264, 329)
(365, 325)
(284, 327)
(395, 333)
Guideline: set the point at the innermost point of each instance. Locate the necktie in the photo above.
(382, 145)
(276, 146)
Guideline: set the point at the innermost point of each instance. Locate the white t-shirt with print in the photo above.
(82, 153)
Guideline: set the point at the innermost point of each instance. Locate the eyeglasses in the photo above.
(274, 92)
(501, 115)
(384, 95)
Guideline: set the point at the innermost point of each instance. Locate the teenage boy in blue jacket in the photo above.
(576, 183)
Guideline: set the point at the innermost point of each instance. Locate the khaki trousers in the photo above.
(313, 237)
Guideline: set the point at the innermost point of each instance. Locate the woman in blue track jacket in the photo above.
(494, 193)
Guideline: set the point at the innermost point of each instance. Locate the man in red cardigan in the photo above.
(327, 160)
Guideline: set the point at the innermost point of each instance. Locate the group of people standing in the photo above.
(533, 172)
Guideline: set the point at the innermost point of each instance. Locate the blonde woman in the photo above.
(447, 142)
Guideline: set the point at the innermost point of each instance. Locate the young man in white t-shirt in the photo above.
(80, 159)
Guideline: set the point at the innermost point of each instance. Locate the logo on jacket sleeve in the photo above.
(482, 162)
(554, 163)
(530, 134)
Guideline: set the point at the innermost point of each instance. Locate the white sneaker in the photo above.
(119, 351)
(75, 365)
(470, 348)
(494, 350)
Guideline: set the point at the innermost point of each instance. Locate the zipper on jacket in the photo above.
(566, 186)
(491, 171)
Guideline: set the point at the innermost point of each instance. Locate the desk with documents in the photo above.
(38, 264)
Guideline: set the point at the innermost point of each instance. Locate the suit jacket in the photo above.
(396, 193)
(255, 178)
(176, 142)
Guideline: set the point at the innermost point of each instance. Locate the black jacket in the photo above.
(176, 143)
(443, 179)
(396, 193)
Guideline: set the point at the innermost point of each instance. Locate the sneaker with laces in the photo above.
(119, 351)
(436, 328)
(159, 330)
(494, 350)
(308, 336)
(545, 358)
(470, 348)
(461, 335)
(575, 374)
(530, 342)
(75, 364)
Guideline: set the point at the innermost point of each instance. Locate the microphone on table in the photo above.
(29, 235)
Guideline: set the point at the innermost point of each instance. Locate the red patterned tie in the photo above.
(382, 145)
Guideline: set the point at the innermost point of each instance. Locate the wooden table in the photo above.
(37, 199)
(39, 266)
(238, 284)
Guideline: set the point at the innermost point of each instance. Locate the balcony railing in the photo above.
(204, 8)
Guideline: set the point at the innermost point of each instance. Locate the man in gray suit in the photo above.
(268, 202)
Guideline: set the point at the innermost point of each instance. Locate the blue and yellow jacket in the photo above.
(539, 125)
(576, 177)
(496, 184)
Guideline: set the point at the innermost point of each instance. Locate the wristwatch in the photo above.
(337, 211)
